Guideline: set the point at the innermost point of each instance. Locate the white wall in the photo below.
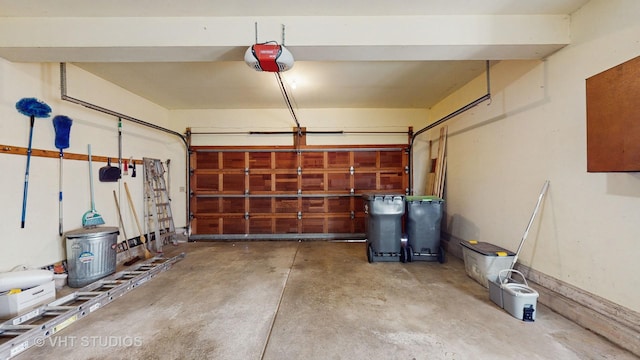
(39, 244)
(534, 129)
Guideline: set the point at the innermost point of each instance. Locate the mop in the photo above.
(33, 108)
(526, 232)
(62, 127)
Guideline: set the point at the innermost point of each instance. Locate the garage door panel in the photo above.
(339, 205)
(338, 160)
(338, 182)
(286, 226)
(259, 160)
(261, 226)
(312, 182)
(206, 182)
(286, 205)
(233, 160)
(365, 181)
(233, 183)
(265, 191)
(207, 205)
(260, 182)
(287, 182)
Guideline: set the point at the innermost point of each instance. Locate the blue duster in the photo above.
(33, 108)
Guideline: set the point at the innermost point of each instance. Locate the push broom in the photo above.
(91, 217)
(62, 127)
(33, 108)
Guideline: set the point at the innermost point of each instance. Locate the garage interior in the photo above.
(267, 176)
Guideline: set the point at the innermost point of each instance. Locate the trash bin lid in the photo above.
(486, 248)
(422, 198)
(381, 196)
(94, 231)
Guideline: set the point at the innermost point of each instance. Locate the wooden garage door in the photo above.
(284, 193)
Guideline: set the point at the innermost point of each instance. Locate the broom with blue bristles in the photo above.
(62, 127)
(33, 108)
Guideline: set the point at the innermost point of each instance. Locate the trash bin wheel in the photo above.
(369, 253)
(441, 258)
(403, 254)
(409, 253)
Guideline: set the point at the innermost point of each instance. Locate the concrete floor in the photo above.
(314, 300)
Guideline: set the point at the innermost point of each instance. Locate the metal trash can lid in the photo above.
(95, 231)
(423, 198)
(382, 196)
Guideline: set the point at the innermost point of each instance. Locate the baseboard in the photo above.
(614, 322)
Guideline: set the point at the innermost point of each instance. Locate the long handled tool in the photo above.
(147, 253)
(526, 232)
(33, 108)
(62, 127)
(132, 259)
(91, 217)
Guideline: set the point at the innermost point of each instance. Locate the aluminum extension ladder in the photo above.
(22, 332)
(158, 204)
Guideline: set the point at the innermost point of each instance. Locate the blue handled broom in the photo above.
(91, 217)
(62, 127)
(33, 108)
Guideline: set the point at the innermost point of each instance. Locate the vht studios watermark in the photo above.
(90, 341)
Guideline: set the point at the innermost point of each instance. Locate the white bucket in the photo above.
(518, 299)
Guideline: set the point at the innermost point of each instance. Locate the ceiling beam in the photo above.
(310, 38)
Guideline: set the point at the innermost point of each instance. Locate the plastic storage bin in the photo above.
(424, 215)
(91, 254)
(483, 261)
(384, 227)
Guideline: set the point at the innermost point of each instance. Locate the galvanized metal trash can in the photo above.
(91, 254)
(424, 215)
(384, 227)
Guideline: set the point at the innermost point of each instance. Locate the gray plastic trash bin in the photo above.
(424, 214)
(384, 227)
(91, 254)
